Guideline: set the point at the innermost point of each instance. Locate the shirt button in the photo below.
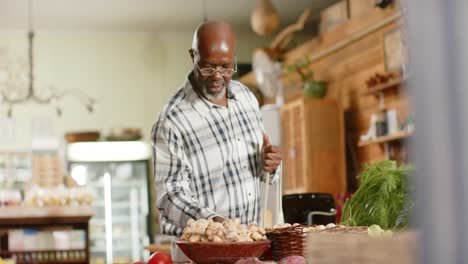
(238, 139)
(250, 194)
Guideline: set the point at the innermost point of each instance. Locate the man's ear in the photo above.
(192, 55)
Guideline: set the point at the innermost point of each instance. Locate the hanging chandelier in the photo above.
(17, 88)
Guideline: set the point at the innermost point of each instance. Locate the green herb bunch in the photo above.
(381, 199)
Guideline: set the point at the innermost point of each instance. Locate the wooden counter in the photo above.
(165, 248)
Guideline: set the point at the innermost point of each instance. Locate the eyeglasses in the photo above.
(223, 71)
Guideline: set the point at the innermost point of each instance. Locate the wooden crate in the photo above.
(331, 248)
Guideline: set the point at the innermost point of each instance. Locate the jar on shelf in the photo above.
(381, 125)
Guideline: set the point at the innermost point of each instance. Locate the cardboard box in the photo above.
(30, 239)
(333, 16)
(77, 239)
(61, 240)
(16, 239)
(45, 240)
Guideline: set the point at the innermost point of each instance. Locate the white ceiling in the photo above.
(142, 15)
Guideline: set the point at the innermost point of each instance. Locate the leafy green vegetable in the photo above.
(377, 231)
(381, 199)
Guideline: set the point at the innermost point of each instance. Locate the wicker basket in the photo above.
(346, 230)
(286, 241)
(289, 241)
(359, 248)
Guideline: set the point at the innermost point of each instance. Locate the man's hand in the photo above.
(271, 155)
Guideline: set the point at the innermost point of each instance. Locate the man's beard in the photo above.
(214, 96)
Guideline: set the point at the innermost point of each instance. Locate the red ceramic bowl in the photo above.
(222, 252)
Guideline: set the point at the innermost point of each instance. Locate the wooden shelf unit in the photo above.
(384, 139)
(62, 214)
(47, 218)
(47, 256)
(385, 86)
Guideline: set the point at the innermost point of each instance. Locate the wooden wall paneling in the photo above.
(349, 94)
(345, 57)
(249, 80)
(342, 32)
(361, 118)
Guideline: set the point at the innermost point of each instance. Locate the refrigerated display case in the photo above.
(120, 175)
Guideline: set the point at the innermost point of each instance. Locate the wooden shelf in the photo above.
(382, 87)
(74, 217)
(55, 214)
(47, 256)
(51, 211)
(393, 137)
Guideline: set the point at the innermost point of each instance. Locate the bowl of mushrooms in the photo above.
(206, 242)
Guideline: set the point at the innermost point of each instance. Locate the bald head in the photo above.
(214, 37)
(213, 48)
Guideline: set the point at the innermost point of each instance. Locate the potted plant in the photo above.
(311, 88)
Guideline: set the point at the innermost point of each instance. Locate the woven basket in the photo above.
(346, 230)
(359, 248)
(286, 241)
(289, 241)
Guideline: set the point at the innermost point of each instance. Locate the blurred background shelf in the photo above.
(384, 139)
(385, 86)
(47, 256)
(60, 214)
(63, 221)
(53, 211)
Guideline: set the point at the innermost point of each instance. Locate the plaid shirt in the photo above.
(207, 158)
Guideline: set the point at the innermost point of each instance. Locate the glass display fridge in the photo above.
(119, 173)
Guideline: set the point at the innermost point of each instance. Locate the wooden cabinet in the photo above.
(46, 224)
(313, 147)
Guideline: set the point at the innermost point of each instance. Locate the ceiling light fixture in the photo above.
(17, 88)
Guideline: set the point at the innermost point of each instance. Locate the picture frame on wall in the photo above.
(396, 51)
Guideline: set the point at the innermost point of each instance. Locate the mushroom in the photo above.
(232, 237)
(256, 236)
(253, 228)
(194, 238)
(190, 222)
(217, 239)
